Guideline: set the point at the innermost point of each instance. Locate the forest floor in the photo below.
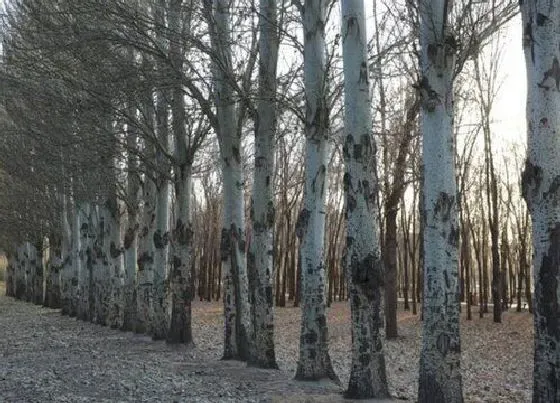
(48, 357)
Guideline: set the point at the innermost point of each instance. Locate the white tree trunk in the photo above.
(75, 262)
(85, 280)
(364, 264)
(113, 253)
(159, 321)
(314, 359)
(160, 238)
(68, 272)
(19, 269)
(160, 245)
(540, 185)
(234, 265)
(146, 257)
(29, 278)
(130, 242)
(440, 371)
(146, 252)
(180, 329)
(99, 265)
(35, 257)
(10, 275)
(52, 282)
(262, 202)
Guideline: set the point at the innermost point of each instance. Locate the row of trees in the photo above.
(116, 115)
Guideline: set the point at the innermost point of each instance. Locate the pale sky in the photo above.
(510, 108)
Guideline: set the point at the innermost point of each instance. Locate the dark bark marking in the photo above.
(346, 181)
(310, 337)
(129, 237)
(160, 240)
(114, 252)
(453, 239)
(442, 343)
(347, 145)
(531, 179)
(430, 98)
(236, 154)
(432, 51)
(302, 222)
(528, 40)
(444, 205)
(225, 245)
(358, 152)
(446, 278)
(554, 73)
(366, 273)
(144, 259)
(542, 19)
(429, 389)
(548, 281)
(351, 202)
(364, 78)
(183, 233)
(270, 214)
(553, 188)
(260, 162)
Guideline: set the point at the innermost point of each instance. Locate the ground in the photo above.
(48, 357)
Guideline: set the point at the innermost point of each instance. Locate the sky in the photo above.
(510, 108)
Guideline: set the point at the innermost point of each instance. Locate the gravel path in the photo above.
(48, 357)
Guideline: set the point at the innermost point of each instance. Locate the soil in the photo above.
(48, 357)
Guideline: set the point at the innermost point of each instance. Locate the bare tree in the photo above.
(541, 22)
(440, 375)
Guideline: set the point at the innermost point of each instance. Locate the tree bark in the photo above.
(368, 377)
(540, 187)
(237, 327)
(314, 359)
(262, 201)
(159, 322)
(86, 236)
(440, 373)
(180, 328)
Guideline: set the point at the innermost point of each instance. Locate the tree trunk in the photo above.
(67, 266)
(262, 199)
(36, 262)
(314, 359)
(114, 252)
(540, 187)
(75, 253)
(159, 322)
(86, 235)
(440, 374)
(130, 241)
(368, 377)
(237, 327)
(146, 258)
(391, 331)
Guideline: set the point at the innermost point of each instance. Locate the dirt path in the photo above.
(47, 357)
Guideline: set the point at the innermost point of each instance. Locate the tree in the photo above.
(440, 373)
(364, 263)
(486, 94)
(314, 359)
(540, 180)
(262, 199)
(233, 242)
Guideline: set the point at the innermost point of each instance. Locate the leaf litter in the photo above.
(48, 357)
